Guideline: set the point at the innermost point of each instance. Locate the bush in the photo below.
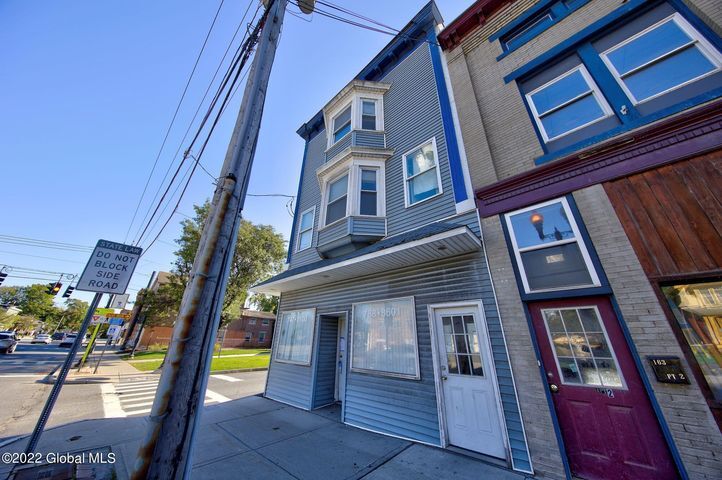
(157, 347)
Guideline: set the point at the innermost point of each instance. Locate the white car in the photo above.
(42, 338)
(69, 339)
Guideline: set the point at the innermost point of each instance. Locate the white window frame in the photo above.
(595, 91)
(376, 103)
(352, 167)
(577, 239)
(705, 47)
(248, 336)
(407, 202)
(606, 337)
(261, 334)
(300, 232)
(333, 123)
(277, 337)
(381, 373)
(354, 99)
(265, 321)
(251, 321)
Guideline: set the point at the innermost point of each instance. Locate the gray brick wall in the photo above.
(543, 445)
(685, 410)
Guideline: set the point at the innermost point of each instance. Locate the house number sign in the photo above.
(668, 370)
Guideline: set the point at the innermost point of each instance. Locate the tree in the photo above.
(73, 314)
(34, 301)
(10, 295)
(260, 252)
(265, 303)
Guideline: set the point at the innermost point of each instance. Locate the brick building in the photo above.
(253, 329)
(592, 132)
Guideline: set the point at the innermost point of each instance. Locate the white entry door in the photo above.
(468, 381)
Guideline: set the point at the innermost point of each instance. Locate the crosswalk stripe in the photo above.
(139, 394)
(227, 378)
(111, 402)
(217, 396)
(137, 389)
(136, 384)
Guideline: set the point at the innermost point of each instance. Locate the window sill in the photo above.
(420, 202)
(626, 127)
(379, 373)
(289, 362)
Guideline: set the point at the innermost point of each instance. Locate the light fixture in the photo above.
(537, 219)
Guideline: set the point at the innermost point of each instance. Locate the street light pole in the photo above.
(165, 453)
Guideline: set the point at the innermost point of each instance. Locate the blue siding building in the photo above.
(387, 306)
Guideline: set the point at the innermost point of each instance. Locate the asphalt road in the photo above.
(22, 395)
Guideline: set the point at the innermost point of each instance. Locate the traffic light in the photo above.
(3, 276)
(54, 288)
(68, 292)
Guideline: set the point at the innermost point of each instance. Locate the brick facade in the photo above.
(500, 142)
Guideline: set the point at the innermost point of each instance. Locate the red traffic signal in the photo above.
(54, 288)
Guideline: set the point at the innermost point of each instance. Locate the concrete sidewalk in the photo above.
(257, 438)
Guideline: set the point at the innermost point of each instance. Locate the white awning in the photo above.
(450, 243)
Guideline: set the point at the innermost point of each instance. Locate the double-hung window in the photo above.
(548, 247)
(295, 336)
(422, 179)
(369, 192)
(661, 58)
(567, 103)
(368, 114)
(305, 229)
(342, 124)
(337, 199)
(383, 337)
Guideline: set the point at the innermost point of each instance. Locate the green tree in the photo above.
(265, 303)
(73, 314)
(34, 301)
(260, 252)
(10, 295)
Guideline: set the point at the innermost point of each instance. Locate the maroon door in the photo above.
(610, 430)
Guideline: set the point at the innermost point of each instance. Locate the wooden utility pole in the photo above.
(165, 453)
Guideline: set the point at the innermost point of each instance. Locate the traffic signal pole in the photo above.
(165, 452)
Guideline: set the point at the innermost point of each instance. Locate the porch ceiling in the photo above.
(457, 240)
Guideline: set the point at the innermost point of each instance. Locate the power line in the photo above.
(175, 114)
(42, 257)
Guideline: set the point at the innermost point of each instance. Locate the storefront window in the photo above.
(295, 336)
(697, 309)
(384, 338)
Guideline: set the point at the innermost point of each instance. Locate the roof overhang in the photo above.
(450, 243)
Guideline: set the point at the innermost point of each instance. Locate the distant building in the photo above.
(252, 330)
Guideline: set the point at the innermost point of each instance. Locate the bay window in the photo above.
(368, 201)
(548, 248)
(342, 124)
(295, 336)
(368, 114)
(422, 179)
(384, 341)
(337, 195)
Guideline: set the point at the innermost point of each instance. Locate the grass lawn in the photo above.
(226, 351)
(217, 364)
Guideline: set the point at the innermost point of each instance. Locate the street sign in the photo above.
(104, 311)
(97, 319)
(110, 267)
(116, 321)
(120, 300)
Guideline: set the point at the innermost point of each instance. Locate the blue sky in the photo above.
(89, 88)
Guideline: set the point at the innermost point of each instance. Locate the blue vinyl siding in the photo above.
(364, 138)
(407, 408)
(290, 384)
(368, 226)
(310, 195)
(325, 361)
(336, 231)
(337, 147)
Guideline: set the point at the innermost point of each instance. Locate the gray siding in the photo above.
(334, 232)
(407, 408)
(412, 116)
(289, 383)
(310, 196)
(338, 147)
(368, 226)
(325, 361)
(364, 138)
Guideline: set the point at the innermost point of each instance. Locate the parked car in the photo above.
(42, 338)
(69, 339)
(8, 342)
(58, 335)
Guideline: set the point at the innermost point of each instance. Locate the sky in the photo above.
(89, 89)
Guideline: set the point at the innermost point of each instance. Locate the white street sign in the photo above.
(110, 267)
(120, 300)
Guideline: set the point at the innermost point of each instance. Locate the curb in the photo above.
(240, 370)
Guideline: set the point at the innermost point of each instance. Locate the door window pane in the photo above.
(462, 345)
(295, 335)
(697, 309)
(384, 337)
(659, 60)
(566, 104)
(584, 358)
